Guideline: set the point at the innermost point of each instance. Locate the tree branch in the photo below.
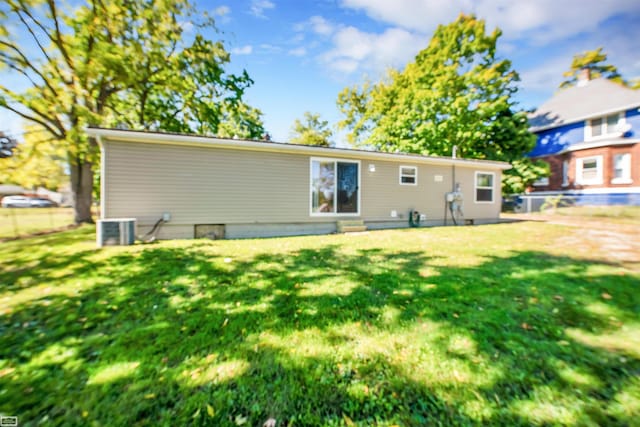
(42, 123)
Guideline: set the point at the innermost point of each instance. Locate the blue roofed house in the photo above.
(590, 136)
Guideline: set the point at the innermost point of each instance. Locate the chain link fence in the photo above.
(20, 222)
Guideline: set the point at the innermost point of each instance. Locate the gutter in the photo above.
(279, 147)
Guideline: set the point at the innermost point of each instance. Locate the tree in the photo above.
(106, 63)
(595, 62)
(38, 161)
(311, 131)
(455, 93)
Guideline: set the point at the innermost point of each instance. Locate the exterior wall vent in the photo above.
(209, 231)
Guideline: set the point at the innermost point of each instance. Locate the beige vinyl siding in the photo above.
(213, 185)
(382, 191)
(200, 185)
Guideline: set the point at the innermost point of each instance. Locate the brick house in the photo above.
(590, 136)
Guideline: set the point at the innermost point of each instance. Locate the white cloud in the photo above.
(244, 50)
(321, 26)
(299, 51)
(540, 21)
(187, 26)
(548, 74)
(259, 6)
(355, 50)
(221, 11)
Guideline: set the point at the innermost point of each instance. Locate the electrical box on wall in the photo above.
(394, 214)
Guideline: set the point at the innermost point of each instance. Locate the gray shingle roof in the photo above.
(596, 98)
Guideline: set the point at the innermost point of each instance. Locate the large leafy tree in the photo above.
(312, 130)
(116, 62)
(38, 161)
(595, 61)
(457, 92)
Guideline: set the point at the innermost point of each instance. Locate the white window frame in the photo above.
(541, 182)
(626, 171)
(606, 133)
(579, 169)
(476, 188)
(335, 194)
(415, 175)
(565, 173)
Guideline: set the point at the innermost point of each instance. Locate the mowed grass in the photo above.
(502, 324)
(16, 222)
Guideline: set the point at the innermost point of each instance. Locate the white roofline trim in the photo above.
(590, 116)
(240, 144)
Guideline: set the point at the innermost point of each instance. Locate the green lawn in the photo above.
(15, 222)
(511, 324)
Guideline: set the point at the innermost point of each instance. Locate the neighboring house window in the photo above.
(484, 187)
(408, 175)
(565, 173)
(604, 126)
(621, 169)
(335, 187)
(589, 170)
(541, 182)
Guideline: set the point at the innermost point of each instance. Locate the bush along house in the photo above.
(590, 136)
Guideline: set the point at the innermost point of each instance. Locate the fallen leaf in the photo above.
(241, 420)
(526, 326)
(606, 295)
(150, 396)
(196, 414)
(225, 322)
(456, 315)
(85, 414)
(210, 411)
(558, 298)
(271, 422)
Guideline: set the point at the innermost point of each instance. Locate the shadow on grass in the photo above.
(175, 336)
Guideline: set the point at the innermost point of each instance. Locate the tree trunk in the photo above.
(82, 190)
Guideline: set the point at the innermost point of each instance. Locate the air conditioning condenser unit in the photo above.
(116, 231)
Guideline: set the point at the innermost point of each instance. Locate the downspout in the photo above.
(447, 204)
(103, 181)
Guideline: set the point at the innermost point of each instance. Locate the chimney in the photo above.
(584, 75)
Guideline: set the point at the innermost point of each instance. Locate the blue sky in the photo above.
(302, 53)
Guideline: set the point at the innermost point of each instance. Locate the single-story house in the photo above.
(249, 188)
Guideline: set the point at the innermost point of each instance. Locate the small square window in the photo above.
(408, 175)
(484, 187)
(589, 171)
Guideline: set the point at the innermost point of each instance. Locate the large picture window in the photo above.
(335, 187)
(484, 187)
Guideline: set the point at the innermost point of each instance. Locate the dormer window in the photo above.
(602, 127)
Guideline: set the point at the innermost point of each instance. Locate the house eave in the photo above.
(279, 147)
